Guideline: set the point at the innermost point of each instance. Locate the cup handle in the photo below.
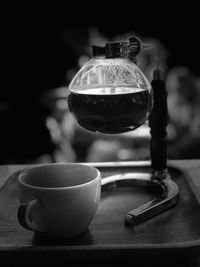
(25, 218)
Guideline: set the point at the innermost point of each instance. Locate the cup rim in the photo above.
(98, 175)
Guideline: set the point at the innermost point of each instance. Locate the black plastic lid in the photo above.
(128, 49)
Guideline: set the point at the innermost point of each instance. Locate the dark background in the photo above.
(35, 55)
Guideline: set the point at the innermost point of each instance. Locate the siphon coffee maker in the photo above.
(111, 95)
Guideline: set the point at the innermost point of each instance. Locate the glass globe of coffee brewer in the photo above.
(111, 95)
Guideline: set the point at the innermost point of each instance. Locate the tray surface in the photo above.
(176, 228)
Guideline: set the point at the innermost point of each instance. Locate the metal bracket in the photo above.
(160, 182)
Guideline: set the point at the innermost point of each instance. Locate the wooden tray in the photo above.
(173, 234)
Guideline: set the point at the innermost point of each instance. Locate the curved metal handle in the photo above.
(165, 201)
(168, 190)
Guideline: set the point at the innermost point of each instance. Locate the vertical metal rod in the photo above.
(158, 121)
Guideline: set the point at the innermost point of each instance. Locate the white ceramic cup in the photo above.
(58, 200)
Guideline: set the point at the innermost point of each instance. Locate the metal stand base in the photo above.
(158, 181)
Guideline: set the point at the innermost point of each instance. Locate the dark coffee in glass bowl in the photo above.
(111, 110)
